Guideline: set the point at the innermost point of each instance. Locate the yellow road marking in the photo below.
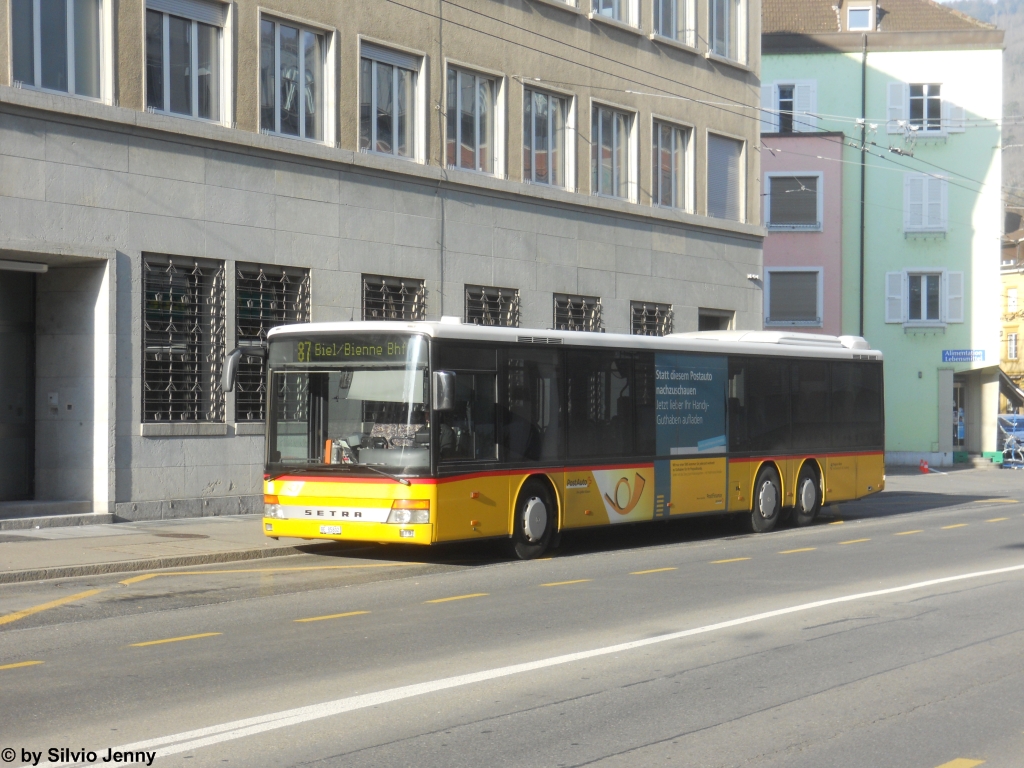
(730, 560)
(653, 570)
(997, 520)
(457, 597)
(962, 762)
(175, 639)
(563, 583)
(794, 551)
(854, 541)
(997, 501)
(837, 522)
(333, 616)
(20, 664)
(47, 606)
(146, 576)
(907, 533)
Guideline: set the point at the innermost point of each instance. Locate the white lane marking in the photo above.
(237, 729)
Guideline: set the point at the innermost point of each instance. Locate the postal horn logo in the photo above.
(634, 497)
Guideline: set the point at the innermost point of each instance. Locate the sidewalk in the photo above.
(53, 553)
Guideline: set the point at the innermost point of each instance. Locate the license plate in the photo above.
(333, 529)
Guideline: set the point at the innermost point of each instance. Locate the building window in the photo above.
(470, 140)
(727, 29)
(789, 107)
(670, 152)
(676, 19)
(793, 297)
(265, 297)
(292, 73)
(858, 19)
(1011, 300)
(388, 101)
(725, 178)
(650, 319)
(610, 161)
(492, 306)
(183, 339)
(56, 45)
(924, 203)
(1011, 346)
(793, 202)
(577, 313)
(393, 298)
(714, 319)
(785, 109)
(926, 106)
(183, 62)
(544, 138)
(619, 10)
(925, 297)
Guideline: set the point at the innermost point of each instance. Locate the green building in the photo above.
(913, 92)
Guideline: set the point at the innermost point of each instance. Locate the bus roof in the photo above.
(733, 342)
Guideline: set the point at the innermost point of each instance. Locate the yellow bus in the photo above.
(428, 432)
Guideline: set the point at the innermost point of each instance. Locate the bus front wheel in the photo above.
(808, 497)
(767, 501)
(535, 520)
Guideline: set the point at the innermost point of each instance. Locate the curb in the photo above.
(156, 563)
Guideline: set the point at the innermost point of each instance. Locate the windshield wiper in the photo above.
(372, 468)
(301, 471)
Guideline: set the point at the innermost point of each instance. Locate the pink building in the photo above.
(802, 178)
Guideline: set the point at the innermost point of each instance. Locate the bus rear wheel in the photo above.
(767, 503)
(808, 497)
(534, 521)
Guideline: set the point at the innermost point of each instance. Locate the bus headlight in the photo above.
(273, 510)
(405, 511)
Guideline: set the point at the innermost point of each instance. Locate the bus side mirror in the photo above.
(444, 390)
(231, 364)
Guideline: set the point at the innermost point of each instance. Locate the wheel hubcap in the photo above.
(807, 496)
(766, 500)
(535, 519)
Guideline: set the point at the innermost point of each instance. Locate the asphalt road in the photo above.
(889, 634)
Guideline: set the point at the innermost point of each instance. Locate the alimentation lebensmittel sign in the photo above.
(963, 355)
(690, 403)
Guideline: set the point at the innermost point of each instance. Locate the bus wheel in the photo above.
(534, 523)
(767, 501)
(808, 497)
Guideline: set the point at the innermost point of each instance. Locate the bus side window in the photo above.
(857, 405)
(809, 388)
(599, 403)
(532, 421)
(737, 405)
(468, 431)
(644, 400)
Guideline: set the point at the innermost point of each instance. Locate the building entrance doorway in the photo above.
(959, 416)
(17, 385)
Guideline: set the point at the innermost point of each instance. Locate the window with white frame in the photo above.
(55, 45)
(789, 106)
(611, 152)
(725, 178)
(619, 10)
(676, 20)
(1011, 300)
(471, 135)
(792, 296)
(545, 151)
(924, 203)
(184, 57)
(1011, 346)
(928, 297)
(292, 74)
(728, 28)
(670, 155)
(858, 19)
(928, 108)
(793, 201)
(388, 101)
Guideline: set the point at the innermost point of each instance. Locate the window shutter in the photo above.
(897, 107)
(724, 199)
(399, 59)
(804, 98)
(954, 297)
(894, 297)
(936, 218)
(212, 13)
(769, 107)
(913, 201)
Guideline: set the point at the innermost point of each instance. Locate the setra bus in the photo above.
(428, 432)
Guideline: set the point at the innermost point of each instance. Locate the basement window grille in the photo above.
(183, 339)
(393, 298)
(578, 313)
(492, 306)
(265, 297)
(650, 319)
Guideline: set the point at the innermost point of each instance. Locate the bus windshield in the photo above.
(349, 401)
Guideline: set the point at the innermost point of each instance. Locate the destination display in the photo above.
(376, 348)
